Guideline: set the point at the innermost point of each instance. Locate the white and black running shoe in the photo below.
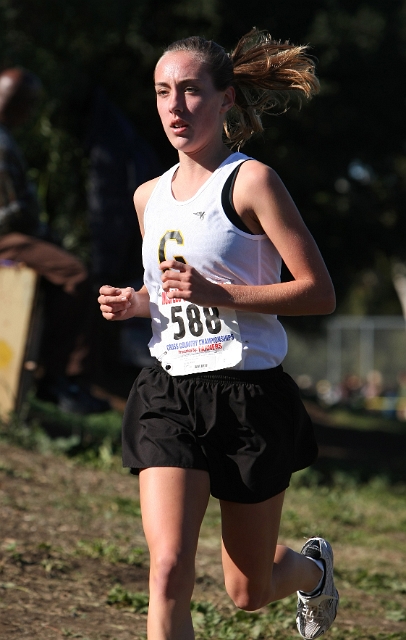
(316, 613)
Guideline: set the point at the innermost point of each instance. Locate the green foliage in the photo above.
(372, 582)
(33, 437)
(364, 521)
(74, 47)
(342, 157)
(128, 507)
(352, 510)
(44, 556)
(210, 622)
(111, 552)
(136, 602)
(97, 434)
(92, 439)
(241, 625)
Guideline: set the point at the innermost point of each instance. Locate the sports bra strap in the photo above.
(227, 201)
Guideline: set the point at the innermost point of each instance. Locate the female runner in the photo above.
(217, 414)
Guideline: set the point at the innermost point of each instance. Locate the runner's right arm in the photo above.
(121, 304)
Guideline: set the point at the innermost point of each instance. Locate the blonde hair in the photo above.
(267, 76)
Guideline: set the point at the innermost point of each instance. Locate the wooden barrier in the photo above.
(18, 291)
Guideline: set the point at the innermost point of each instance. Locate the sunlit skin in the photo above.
(191, 109)
(192, 113)
(173, 500)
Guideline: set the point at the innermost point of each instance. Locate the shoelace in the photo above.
(312, 608)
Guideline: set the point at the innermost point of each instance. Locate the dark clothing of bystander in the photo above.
(19, 210)
(65, 283)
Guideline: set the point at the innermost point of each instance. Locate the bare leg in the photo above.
(257, 570)
(173, 503)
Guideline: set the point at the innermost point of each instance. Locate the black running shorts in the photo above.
(248, 429)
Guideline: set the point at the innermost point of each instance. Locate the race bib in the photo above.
(195, 338)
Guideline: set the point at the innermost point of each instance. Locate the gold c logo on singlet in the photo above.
(170, 235)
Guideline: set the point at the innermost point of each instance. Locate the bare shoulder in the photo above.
(254, 174)
(143, 193)
(141, 196)
(259, 191)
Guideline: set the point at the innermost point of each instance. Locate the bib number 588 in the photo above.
(194, 320)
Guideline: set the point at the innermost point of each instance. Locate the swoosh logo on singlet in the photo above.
(199, 213)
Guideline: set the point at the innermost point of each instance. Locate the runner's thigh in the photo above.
(249, 538)
(173, 503)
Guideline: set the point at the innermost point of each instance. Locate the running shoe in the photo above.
(316, 613)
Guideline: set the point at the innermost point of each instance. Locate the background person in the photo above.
(65, 282)
(217, 414)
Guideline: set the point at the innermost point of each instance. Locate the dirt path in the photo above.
(49, 586)
(70, 540)
(72, 549)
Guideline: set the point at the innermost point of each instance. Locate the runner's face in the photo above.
(191, 109)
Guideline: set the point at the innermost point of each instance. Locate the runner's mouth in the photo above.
(179, 125)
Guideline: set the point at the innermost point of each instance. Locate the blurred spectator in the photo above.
(119, 161)
(65, 282)
(351, 391)
(306, 386)
(327, 394)
(389, 402)
(373, 386)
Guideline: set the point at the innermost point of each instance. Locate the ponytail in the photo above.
(266, 74)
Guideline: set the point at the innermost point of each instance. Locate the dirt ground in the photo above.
(47, 589)
(71, 546)
(51, 513)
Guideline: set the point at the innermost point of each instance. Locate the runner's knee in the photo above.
(249, 597)
(172, 573)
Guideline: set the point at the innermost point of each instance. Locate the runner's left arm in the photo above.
(263, 202)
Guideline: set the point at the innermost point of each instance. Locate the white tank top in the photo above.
(188, 338)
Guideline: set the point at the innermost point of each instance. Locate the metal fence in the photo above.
(350, 345)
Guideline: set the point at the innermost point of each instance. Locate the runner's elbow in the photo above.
(326, 302)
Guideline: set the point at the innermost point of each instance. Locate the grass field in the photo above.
(73, 560)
